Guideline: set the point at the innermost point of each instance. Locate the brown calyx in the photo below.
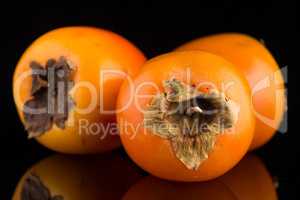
(35, 189)
(190, 120)
(50, 103)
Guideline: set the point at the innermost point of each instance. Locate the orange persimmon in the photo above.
(186, 116)
(65, 87)
(255, 61)
(77, 178)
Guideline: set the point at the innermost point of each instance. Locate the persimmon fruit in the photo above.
(65, 87)
(256, 62)
(186, 116)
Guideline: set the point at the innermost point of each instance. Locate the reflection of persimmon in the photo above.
(250, 180)
(262, 72)
(151, 188)
(77, 178)
(177, 121)
(72, 75)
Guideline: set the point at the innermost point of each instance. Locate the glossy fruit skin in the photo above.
(90, 50)
(90, 177)
(255, 61)
(250, 179)
(153, 153)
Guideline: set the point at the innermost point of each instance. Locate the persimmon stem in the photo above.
(50, 103)
(189, 119)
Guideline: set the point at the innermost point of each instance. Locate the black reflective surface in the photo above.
(114, 176)
(156, 29)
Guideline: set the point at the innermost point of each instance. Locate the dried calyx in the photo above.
(34, 189)
(50, 103)
(189, 119)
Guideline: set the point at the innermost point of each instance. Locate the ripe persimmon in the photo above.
(255, 61)
(186, 116)
(65, 87)
(77, 178)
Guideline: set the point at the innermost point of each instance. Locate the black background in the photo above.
(156, 28)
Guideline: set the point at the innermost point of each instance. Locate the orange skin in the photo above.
(254, 60)
(90, 178)
(150, 188)
(250, 180)
(155, 154)
(247, 181)
(91, 50)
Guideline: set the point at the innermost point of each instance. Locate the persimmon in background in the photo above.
(255, 61)
(76, 178)
(91, 65)
(154, 133)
